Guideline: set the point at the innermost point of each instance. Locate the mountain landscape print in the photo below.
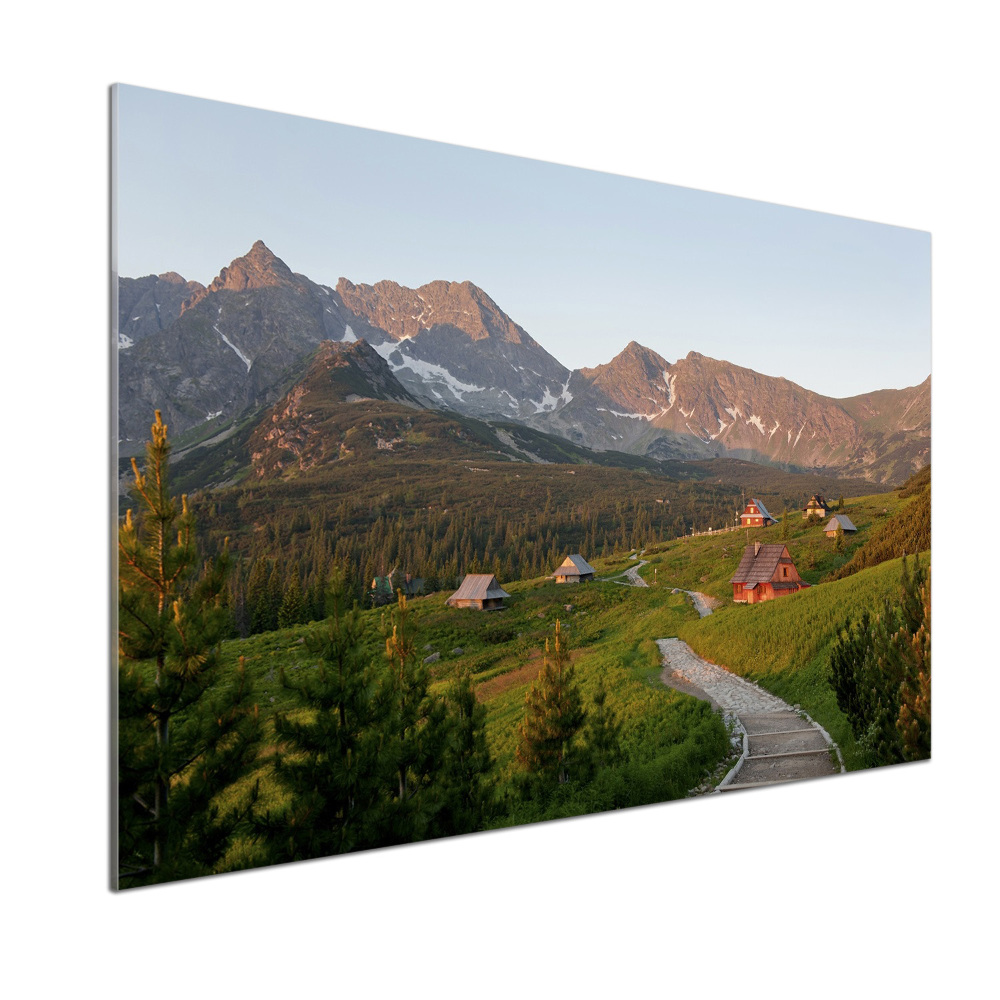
(458, 491)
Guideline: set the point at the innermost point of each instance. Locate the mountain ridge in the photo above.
(234, 343)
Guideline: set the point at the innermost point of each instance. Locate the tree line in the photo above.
(284, 553)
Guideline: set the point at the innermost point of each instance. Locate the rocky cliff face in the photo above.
(452, 344)
(699, 407)
(233, 347)
(150, 304)
(211, 355)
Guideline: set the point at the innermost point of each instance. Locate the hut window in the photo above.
(784, 571)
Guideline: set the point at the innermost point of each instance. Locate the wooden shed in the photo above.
(817, 505)
(480, 591)
(574, 569)
(764, 573)
(843, 521)
(755, 516)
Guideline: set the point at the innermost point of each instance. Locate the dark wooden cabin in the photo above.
(764, 573)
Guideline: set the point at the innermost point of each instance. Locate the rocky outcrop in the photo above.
(150, 304)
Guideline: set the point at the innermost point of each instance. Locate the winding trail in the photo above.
(632, 578)
(780, 742)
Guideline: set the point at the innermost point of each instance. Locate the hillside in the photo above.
(707, 562)
(784, 645)
(669, 742)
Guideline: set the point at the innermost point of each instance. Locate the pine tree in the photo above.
(417, 739)
(292, 607)
(331, 762)
(880, 673)
(183, 734)
(838, 538)
(468, 763)
(553, 714)
(914, 722)
(602, 732)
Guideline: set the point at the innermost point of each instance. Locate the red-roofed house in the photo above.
(764, 573)
(755, 516)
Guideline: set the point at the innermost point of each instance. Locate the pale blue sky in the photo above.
(584, 261)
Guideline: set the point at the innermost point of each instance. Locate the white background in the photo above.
(880, 883)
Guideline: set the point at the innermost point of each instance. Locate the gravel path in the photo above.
(780, 742)
(703, 604)
(632, 578)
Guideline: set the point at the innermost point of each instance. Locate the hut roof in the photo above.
(845, 523)
(757, 566)
(479, 587)
(575, 564)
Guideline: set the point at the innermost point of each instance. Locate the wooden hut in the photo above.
(817, 505)
(764, 573)
(574, 569)
(755, 516)
(480, 591)
(843, 521)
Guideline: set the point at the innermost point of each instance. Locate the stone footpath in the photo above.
(780, 743)
(703, 604)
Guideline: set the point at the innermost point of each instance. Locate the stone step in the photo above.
(789, 741)
(786, 767)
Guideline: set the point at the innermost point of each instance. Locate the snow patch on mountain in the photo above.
(670, 381)
(616, 413)
(426, 371)
(124, 342)
(722, 426)
(229, 343)
(696, 434)
(349, 337)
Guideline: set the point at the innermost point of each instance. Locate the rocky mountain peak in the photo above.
(633, 360)
(404, 312)
(258, 268)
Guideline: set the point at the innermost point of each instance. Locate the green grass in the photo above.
(707, 562)
(784, 645)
